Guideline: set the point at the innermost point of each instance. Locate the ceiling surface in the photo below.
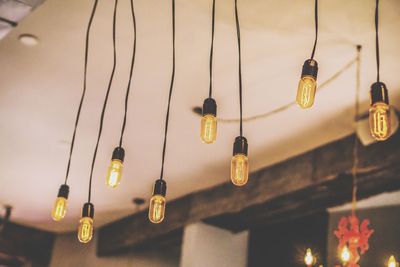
(41, 87)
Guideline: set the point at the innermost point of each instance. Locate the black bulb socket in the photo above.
(118, 154)
(88, 210)
(160, 188)
(310, 68)
(63, 191)
(240, 146)
(210, 107)
(379, 93)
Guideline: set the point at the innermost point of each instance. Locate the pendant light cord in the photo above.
(105, 101)
(130, 75)
(78, 114)
(377, 40)
(356, 144)
(170, 91)
(316, 29)
(240, 68)
(212, 48)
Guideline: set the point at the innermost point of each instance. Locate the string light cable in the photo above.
(208, 127)
(85, 230)
(308, 82)
(239, 161)
(115, 170)
(60, 205)
(157, 201)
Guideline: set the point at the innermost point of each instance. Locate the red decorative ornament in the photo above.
(355, 236)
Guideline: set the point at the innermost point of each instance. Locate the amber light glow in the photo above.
(59, 209)
(157, 209)
(85, 230)
(239, 170)
(345, 255)
(392, 262)
(208, 131)
(306, 92)
(379, 121)
(309, 259)
(114, 173)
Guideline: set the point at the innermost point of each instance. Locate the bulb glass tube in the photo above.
(157, 208)
(85, 230)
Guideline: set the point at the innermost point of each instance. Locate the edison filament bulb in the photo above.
(379, 112)
(309, 259)
(308, 84)
(158, 202)
(85, 230)
(240, 162)
(392, 262)
(60, 205)
(208, 129)
(114, 173)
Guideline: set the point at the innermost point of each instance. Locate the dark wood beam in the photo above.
(20, 245)
(302, 185)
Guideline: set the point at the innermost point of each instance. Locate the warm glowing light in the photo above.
(59, 209)
(392, 262)
(85, 230)
(309, 259)
(208, 131)
(379, 121)
(157, 209)
(114, 173)
(306, 92)
(239, 169)
(345, 255)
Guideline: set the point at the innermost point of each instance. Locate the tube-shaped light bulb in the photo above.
(114, 173)
(392, 262)
(345, 255)
(307, 84)
(158, 202)
(208, 129)
(240, 162)
(309, 259)
(379, 116)
(60, 205)
(85, 230)
(379, 113)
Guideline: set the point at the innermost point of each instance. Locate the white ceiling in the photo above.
(41, 86)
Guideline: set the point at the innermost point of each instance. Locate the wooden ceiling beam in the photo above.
(308, 183)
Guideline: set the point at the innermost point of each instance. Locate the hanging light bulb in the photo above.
(114, 172)
(158, 202)
(60, 205)
(85, 230)
(345, 255)
(392, 262)
(208, 131)
(309, 259)
(240, 162)
(308, 84)
(379, 113)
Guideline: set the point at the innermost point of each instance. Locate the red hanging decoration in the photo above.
(355, 238)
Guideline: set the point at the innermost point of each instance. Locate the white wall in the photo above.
(68, 252)
(208, 246)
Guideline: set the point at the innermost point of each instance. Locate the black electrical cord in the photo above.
(316, 29)
(240, 68)
(130, 75)
(78, 114)
(105, 101)
(377, 41)
(212, 48)
(170, 90)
